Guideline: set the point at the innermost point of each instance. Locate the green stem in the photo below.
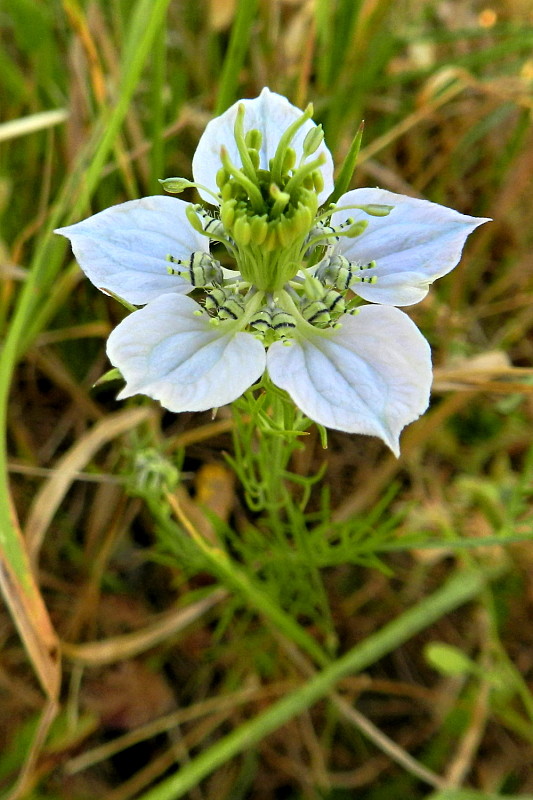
(285, 141)
(238, 581)
(252, 190)
(247, 164)
(460, 588)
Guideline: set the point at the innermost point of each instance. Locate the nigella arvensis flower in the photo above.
(292, 301)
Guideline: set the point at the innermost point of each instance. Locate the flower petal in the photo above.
(124, 248)
(169, 352)
(269, 113)
(414, 245)
(371, 376)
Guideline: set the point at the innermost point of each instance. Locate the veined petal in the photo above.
(168, 352)
(124, 248)
(269, 113)
(414, 245)
(372, 375)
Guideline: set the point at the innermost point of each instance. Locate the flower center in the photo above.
(268, 213)
(289, 279)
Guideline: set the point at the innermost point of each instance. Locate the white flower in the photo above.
(288, 305)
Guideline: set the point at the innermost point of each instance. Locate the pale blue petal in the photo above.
(414, 245)
(123, 249)
(269, 113)
(171, 354)
(372, 375)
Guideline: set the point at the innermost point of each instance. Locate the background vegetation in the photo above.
(173, 641)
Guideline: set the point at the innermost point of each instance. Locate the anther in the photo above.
(201, 269)
(282, 320)
(340, 273)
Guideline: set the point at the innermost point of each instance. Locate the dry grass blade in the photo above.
(29, 613)
(35, 122)
(129, 645)
(53, 490)
(488, 372)
(386, 745)
(25, 603)
(27, 775)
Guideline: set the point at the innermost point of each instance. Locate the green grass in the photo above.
(309, 675)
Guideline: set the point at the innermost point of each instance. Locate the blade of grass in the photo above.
(28, 611)
(157, 110)
(237, 49)
(146, 21)
(32, 123)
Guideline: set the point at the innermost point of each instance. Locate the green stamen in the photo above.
(250, 188)
(305, 170)
(284, 142)
(247, 163)
(281, 199)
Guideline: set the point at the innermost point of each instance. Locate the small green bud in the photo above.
(175, 185)
(313, 139)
